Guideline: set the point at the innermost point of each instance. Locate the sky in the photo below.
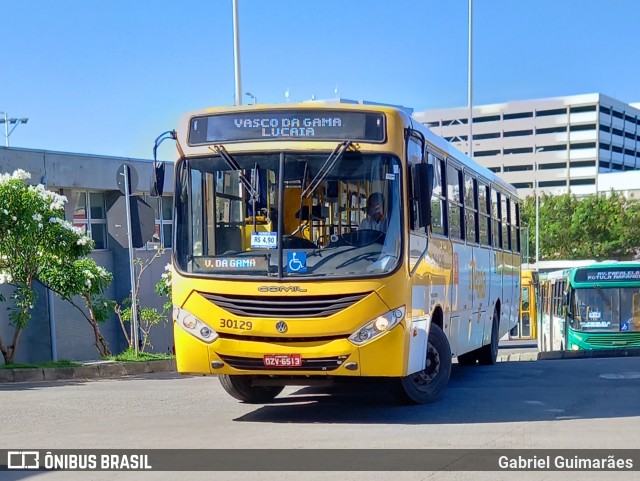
(106, 77)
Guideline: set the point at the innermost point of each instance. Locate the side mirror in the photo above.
(157, 180)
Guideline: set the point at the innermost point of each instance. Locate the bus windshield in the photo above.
(607, 310)
(340, 214)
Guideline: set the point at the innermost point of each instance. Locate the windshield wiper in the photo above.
(231, 162)
(326, 168)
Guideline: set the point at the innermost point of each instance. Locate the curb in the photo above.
(554, 355)
(103, 370)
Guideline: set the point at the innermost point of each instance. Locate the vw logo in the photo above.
(281, 327)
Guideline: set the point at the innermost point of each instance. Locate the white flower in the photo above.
(5, 277)
(14, 218)
(55, 201)
(18, 174)
(83, 241)
(37, 217)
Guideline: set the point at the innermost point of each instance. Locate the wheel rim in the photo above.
(423, 378)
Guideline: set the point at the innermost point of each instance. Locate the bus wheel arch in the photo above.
(240, 388)
(437, 318)
(488, 355)
(427, 386)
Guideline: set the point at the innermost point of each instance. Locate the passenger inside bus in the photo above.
(376, 218)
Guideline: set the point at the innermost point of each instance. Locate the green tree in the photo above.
(37, 244)
(84, 278)
(591, 227)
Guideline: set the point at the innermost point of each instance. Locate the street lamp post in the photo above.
(470, 79)
(13, 121)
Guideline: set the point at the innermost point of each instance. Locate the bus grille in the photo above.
(256, 364)
(631, 339)
(283, 306)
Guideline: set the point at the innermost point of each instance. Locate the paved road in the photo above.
(584, 403)
(515, 346)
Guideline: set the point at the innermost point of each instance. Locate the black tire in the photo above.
(468, 359)
(488, 355)
(428, 385)
(240, 388)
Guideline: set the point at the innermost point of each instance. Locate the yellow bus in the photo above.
(527, 323)
(322, 242)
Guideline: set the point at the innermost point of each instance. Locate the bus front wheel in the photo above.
(240, 388)
(488, 354)
(427, 385)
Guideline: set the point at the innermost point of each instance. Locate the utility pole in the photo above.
(236, 53)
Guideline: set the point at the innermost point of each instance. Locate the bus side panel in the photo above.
(430, 282)
(495, 291)
(510, 292)
(437, 275)
(466, 327)
(482, 291)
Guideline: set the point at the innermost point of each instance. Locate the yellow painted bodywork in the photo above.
(384, 356)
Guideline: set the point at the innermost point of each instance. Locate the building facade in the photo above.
(554, 145)
(90, 184)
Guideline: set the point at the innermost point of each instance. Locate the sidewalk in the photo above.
(88, 370)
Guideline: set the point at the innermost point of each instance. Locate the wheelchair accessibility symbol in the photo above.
(296, 262)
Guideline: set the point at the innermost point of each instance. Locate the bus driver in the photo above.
(376, 218)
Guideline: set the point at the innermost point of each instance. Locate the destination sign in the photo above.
(614, 274)
(235, 264)
(287, 124)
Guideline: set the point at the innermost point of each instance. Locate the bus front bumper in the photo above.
(380, 357)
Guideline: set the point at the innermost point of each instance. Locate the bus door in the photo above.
(523, 330)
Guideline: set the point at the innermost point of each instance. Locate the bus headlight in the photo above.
(193, 325)
(377, 327)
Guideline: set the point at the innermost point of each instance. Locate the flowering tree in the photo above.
(36, 243)
(85, 278)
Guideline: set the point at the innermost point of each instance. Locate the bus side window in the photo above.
(506, 223)
(515, 225)
(471, 208)
(496, 224)
(438, 199)
(484, 202)
(454, 196)
(525, 299)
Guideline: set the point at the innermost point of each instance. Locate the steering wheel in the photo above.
(364, 237)
(294, 242)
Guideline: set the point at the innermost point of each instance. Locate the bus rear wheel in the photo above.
(240, 388)
(427, 385)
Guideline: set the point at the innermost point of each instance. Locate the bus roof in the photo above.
(611, 273)
(438, 142)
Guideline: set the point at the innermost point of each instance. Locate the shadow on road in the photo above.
(27, 386)
(506, 392)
